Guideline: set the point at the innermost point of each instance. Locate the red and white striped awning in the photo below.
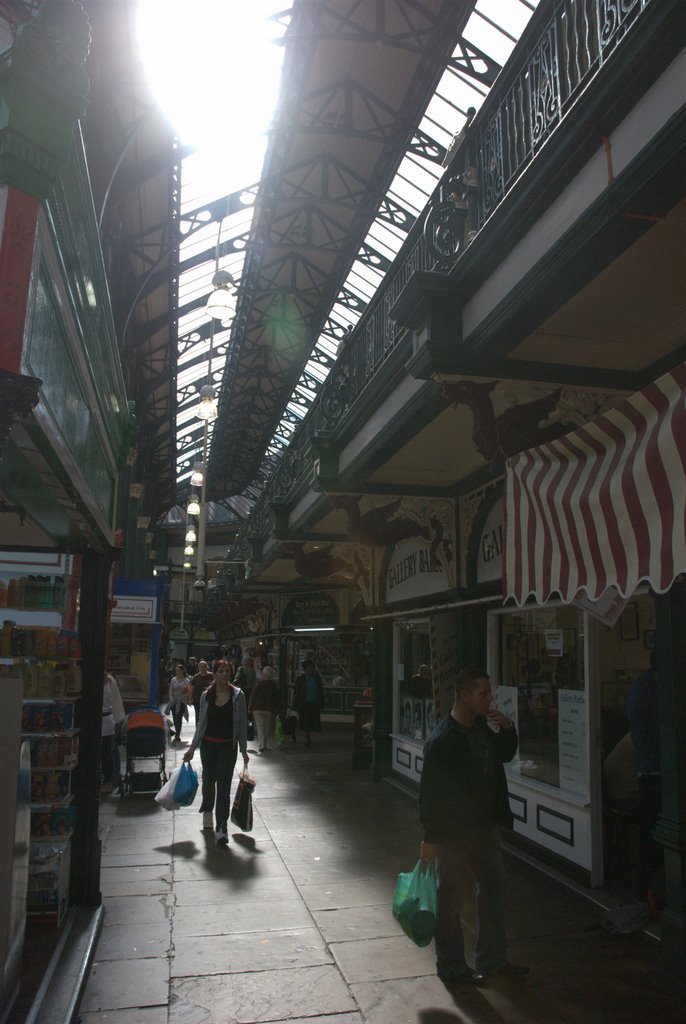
(603, 506)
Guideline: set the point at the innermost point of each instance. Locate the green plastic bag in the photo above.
(414, 903)
(278, 732)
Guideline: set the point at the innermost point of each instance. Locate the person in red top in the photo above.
(221, 731)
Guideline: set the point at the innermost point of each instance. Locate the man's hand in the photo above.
(188, 756)
(428, 851)
(496, 717)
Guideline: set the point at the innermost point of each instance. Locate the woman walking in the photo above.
(221, 731)
(180, 693)
(264, 705)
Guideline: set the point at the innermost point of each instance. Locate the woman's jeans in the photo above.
(218, 763)
(481, 861)
(177, 717)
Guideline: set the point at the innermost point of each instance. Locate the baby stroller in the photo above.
(146, 745)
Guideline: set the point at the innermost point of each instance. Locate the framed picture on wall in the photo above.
(628, 622)
(649, 639)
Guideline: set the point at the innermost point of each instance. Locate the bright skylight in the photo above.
(200, 60)
(199, 67)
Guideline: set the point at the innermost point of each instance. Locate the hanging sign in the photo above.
(413, 573)
(311, 610)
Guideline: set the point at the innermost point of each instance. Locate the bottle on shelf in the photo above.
(58, 592)
(6, 639)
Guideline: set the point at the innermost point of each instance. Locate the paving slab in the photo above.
(129, 942)
(134, 910)
(235, 890)
(357, 923)
(131, 1015)
(265, 915)
(130, 881)
(219, 865)
(114, 985)
(123, 860)
(255, 951)
(383, 959)
(427, 1000)
(260, 996)
(307, 869)
(348, 892)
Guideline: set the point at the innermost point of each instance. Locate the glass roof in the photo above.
(493, 28)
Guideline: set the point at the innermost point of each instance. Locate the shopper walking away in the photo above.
(180, 694)
(462, 803)
(264, 706)
(221, 731)
(309, 700)
(199, 683)
(246, 676)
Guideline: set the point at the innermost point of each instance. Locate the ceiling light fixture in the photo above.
(197, 475)
(207, 410)
(220, 304)
(190, 535)
(193, 508)
(188, 550)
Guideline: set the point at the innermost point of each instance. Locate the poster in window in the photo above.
(418, 719)
(407, 717)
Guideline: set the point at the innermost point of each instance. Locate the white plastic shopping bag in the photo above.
(165, 797)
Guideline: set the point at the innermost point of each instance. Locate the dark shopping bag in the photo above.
(414, 903)
(241, 812)
(186, 786)
(288, 724)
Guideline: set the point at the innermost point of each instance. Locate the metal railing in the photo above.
(566, 45)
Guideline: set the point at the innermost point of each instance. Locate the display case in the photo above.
(40, 659)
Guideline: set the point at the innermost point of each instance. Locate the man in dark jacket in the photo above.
(463, 802)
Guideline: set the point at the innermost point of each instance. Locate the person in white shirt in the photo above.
(112, 714)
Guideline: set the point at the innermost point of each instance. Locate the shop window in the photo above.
(542, 685)
(415, 704)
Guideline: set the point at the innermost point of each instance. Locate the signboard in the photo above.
(607, 608)
(412, 573)
(133, 609)
(572, 741)
(554, 642)
(311, 610)
(443, 645)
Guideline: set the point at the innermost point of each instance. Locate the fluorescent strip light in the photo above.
(313, 629)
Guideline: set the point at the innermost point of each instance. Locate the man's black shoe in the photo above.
(510, 970)
(465, 977)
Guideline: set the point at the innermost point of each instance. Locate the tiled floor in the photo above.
(293, 922)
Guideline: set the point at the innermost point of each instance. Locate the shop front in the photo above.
(595, 552)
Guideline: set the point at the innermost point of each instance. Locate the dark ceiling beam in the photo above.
(476, 64)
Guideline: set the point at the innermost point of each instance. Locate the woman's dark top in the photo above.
(219, 723)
